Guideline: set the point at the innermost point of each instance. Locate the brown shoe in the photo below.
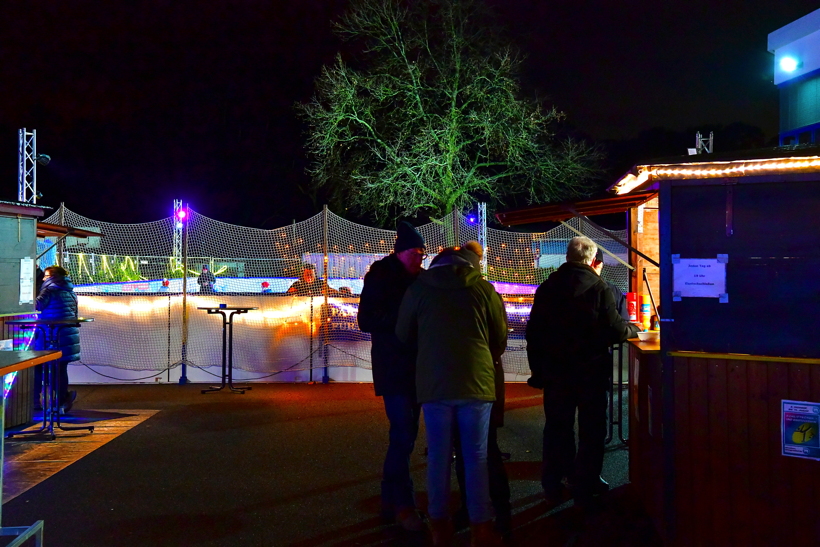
(483, 535)
(443, 532)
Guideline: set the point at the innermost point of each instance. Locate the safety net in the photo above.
(146, 284)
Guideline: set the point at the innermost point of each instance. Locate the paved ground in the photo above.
(284, 464)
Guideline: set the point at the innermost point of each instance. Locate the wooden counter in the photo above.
(645, 426)
(653, 346)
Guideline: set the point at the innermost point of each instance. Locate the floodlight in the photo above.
(789, 64)
(43, 159)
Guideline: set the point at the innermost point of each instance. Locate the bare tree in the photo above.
(428, 117)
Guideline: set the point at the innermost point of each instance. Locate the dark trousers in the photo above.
(499, 481)
(397, 486)
(62, 388)
(561, 399)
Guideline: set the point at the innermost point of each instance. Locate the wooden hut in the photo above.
(725, 410)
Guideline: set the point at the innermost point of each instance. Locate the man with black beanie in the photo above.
(394, 369)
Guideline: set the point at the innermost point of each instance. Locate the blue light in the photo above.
(789, 64)
(471, 219)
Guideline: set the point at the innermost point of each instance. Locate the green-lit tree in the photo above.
(427, 117)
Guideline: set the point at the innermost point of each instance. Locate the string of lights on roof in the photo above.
(738, 168)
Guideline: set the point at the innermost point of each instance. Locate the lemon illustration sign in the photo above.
(804, 433)
(800, 426)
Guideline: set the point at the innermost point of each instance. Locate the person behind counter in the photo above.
(309, 285)
(57, 300)
(206, 281)
(572, 324)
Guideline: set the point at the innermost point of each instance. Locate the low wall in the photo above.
(137, 337)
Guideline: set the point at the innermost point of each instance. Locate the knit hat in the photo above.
(407, 237)
(473, 252)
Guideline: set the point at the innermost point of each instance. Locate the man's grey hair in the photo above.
(581, 249)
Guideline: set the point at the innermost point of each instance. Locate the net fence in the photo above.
(141, 284)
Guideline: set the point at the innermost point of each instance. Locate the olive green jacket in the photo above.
(459, 324)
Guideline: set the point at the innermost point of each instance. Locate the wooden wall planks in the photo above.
(733, 486)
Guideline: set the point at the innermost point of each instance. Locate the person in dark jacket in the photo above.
(310, 285)
(459, 323)
(57, 300)
(573, 322)
(394, 369)
(499, 482)
(206, 280)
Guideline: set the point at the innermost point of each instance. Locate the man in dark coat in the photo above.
(573, 322)
(57, 300)
(310, 285)
(206, 280)
(394, 368)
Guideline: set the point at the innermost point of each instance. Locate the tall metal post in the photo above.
(323, 328)
(27, 168)
(61, 241)
(482, 234)
(183, 378)
(176, 249)
(456, 228)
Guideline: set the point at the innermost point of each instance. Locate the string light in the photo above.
(739, 168)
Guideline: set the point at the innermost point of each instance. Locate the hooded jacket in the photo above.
(459, 324)
(58, 301)
(574, 320)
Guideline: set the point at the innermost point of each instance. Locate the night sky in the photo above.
(145, 101)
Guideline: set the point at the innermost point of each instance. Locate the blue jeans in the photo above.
(397, 486)
(473, 419)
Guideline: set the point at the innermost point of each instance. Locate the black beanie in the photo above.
(407, 237)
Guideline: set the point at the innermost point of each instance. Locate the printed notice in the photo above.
(799, 427)
(699, 277)
(26, 280)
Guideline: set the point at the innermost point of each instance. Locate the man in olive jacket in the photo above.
(573, 322)
(459, 323)
(394, 369)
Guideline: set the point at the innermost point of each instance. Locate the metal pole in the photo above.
(183, 378)
(482, 235)
(323, 325)
(61, 242)
(456, 228)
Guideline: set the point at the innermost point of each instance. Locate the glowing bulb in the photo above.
(788, 64)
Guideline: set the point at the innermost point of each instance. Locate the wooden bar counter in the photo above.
(645, 426)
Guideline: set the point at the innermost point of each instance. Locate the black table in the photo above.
(227, 342)
(50, 328)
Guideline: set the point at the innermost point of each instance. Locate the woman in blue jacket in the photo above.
(58, 301)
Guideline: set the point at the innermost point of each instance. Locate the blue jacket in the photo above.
(58, 301)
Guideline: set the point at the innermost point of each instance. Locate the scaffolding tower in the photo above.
(27, 169)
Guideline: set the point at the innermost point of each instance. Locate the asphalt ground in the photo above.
(285, 464)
